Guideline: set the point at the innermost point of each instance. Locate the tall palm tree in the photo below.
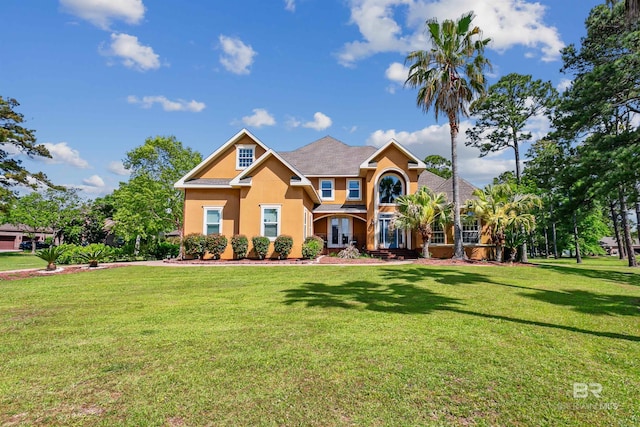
(504, 212)
(420, 211)
(448, 77)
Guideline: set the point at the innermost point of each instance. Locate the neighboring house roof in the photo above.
(338, 208)
(328, 157)
(610, 242)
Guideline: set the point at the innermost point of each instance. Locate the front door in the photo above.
(339, 232)
(388, 237)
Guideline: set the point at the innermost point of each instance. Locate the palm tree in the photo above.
(504, 212)
(448, 77)
(419, 212)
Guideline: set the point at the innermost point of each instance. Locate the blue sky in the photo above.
(97, 77)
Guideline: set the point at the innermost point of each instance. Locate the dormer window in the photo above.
(245, 155)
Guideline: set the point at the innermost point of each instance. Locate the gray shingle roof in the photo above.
(338, 208)
(465, 188)
(328, 156)
(208, 181)
(430, 180)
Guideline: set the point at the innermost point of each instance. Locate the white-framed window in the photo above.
(305, 226)
(437, 234)
(270, 221)
(245, 155)
(327, 187)
(212, 220)
(471, 232)
(353, 189)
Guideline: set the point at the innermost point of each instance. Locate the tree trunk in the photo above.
(136, 249)
(554, 234)
(575, 238)
(458, 249)
(546, 242)
(616, 229)
(51, 266)
(498, 252)
(631, 256)
(425, 249)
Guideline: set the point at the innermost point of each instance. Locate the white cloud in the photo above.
(118, 168)
(167, 104)
(435, 139)
(290, 5)
(564, 85)
(320, 122)
(101, 12)
(260, 117)
(61, 153)
(93, 181)
(377, 21)
(397, 72)
(132, 53)
(237, 56)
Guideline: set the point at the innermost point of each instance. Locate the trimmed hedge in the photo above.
(260, 246)
(240, 245)
(215, 244)
(283, 245)
(194, 245)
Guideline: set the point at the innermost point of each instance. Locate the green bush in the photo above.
(260, 246)
(283, 245)
(194, 245)
(312, 247)
(350, 252)
(215, 244)
(240, 245)
(51, 255)
(166, 249)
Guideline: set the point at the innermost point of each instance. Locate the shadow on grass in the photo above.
(408, 298)
(390, 297)
(631, 277)
(589, 302)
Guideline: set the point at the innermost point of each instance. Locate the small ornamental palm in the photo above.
(93, 256)
(51, 255)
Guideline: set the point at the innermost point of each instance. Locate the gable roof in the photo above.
(328, 157)
(415, 163)
(235, 138)
(244, 177)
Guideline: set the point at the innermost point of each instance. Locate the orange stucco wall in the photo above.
(224, 166)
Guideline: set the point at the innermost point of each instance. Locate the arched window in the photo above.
(390, 188)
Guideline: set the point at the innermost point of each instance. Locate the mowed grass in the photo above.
(19, 261)
(322, 346)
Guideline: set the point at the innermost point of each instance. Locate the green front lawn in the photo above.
(19, 261)
(322, 345)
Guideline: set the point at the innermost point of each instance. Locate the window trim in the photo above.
(206, 209)
(333, 188)
(441, 231)
(359, 181)
(478, 231)
(246, 147)
(278, 209)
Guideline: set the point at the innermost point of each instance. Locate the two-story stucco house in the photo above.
(345, 194)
